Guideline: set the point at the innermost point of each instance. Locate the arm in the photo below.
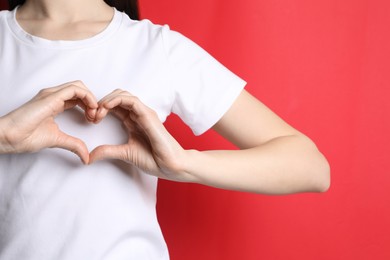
(274, 158)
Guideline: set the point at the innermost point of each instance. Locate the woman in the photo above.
(85, 57)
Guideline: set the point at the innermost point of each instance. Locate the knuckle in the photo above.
(43, 91)
(123, 92)
(152, 112)
(78, 82)
(136, 99)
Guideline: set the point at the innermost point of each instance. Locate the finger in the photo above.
(144, 117)
(90, 113)
(103, 110)
(100, 114)
(120, 113)
(125, 101)
(113, 94)
(124, 105)
(67, 96)
(71, 95)
(104, 152)
(74, 145)
(118, 93)
(48, 91)
(80, 84)
(123, 109)
(83, 94)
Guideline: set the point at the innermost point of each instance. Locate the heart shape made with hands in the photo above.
(109, 131)
(124, 139)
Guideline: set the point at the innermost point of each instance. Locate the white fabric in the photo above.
(52, 206)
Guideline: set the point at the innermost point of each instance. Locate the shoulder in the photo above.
(144, 27)
(4, 14)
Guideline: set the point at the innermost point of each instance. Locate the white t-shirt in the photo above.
(51, 205)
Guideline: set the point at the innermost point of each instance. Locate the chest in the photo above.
(145, 74)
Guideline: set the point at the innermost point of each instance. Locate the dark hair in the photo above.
(130, 7)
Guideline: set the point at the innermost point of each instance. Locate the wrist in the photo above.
(190, 166)
(5, 146)
(182, 168)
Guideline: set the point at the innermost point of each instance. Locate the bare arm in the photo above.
(274, 157)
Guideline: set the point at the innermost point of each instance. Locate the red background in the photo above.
(324, 67)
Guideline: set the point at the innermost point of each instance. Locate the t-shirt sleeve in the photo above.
(204, 89)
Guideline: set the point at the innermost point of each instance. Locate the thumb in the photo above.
(73, 145)
(103, 152)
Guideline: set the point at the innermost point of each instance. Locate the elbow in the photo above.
(322, 179)
(317, 168)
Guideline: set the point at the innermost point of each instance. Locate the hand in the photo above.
(150, 147)
(31, 127)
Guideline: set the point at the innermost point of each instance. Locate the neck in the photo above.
(64, 10)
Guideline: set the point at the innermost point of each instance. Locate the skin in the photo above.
(274, 158)
(31, 127)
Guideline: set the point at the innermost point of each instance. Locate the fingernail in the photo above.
(91, 114)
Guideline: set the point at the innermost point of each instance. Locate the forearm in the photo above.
(283, 165)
